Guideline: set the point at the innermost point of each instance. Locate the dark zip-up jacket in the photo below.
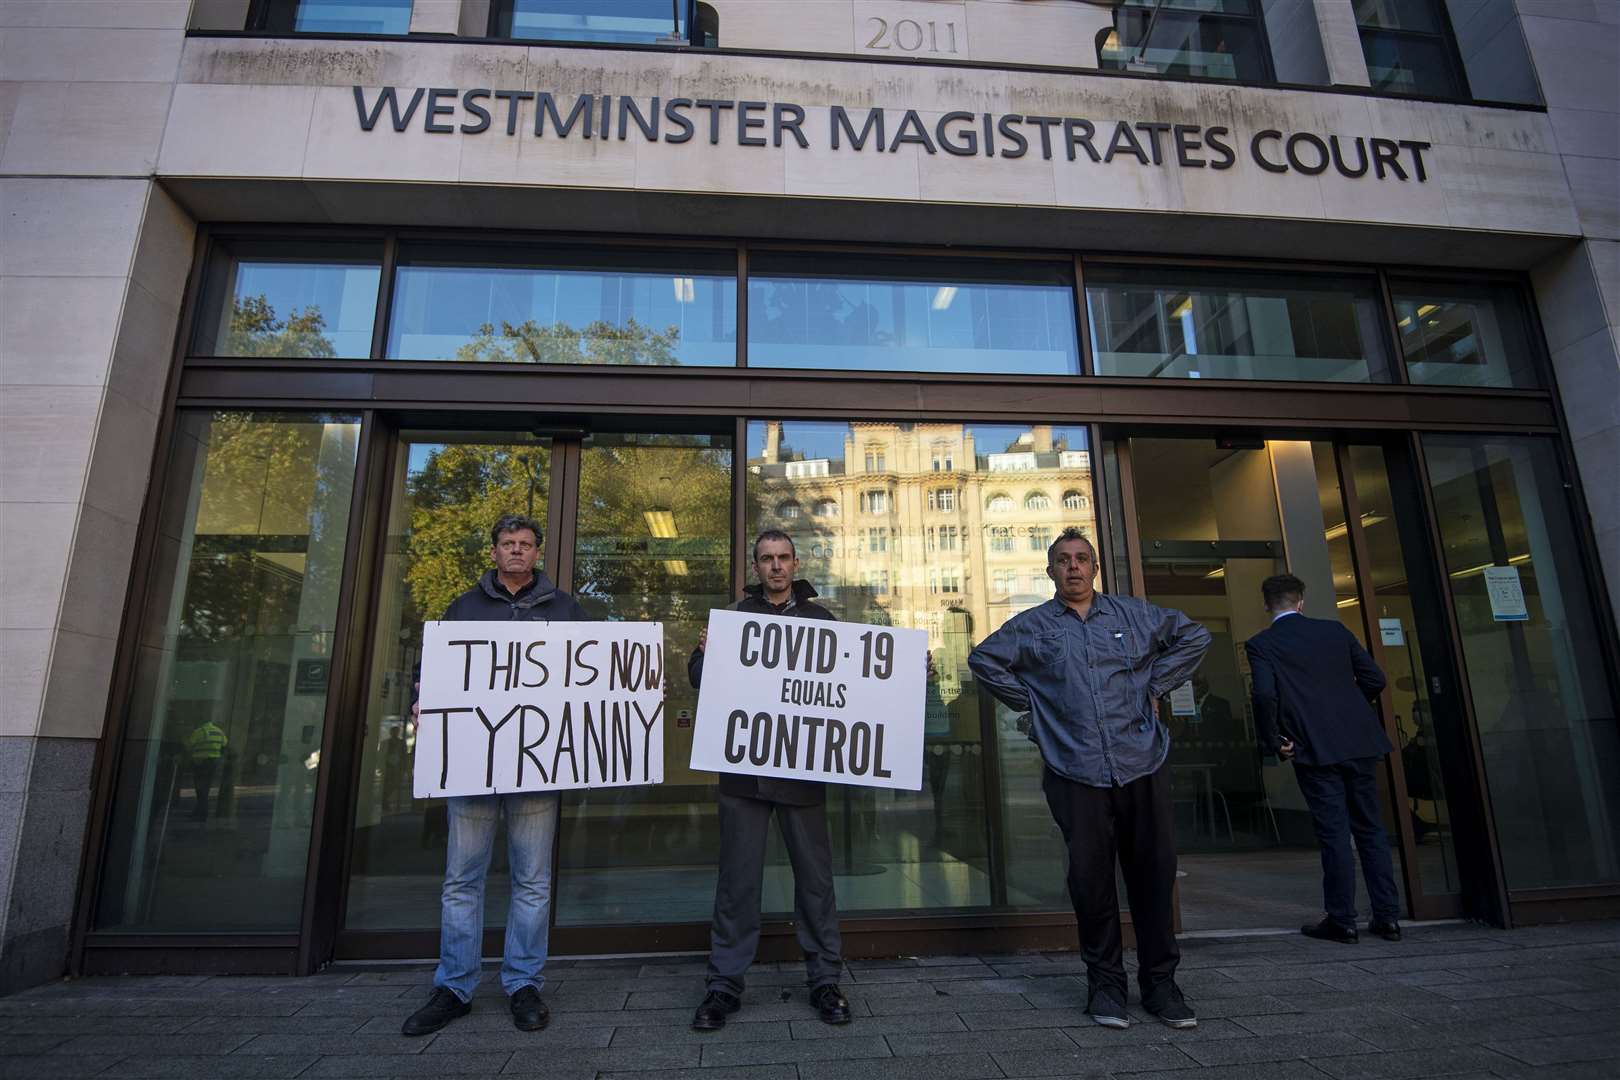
(488, 601)
(770, 788)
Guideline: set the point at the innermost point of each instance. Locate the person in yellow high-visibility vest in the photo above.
(205, 746)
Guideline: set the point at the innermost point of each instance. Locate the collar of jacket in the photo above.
(802, 591)
(539, 591)
(1100, 602)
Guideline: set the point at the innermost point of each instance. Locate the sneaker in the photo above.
(1330, 929)
(529, 1012)
(440, 1009)
(1388, 929)
(831, 1004)
(1170, 1006)
(711, 1015)
(1107, 1007)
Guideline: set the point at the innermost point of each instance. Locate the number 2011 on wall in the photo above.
(909, 35)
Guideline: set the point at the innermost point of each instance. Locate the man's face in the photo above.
(1073, 569)
(516, 552)
(776, 565)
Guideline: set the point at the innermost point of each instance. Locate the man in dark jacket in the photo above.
(513, 590)
(1313, 687)
(746, 805)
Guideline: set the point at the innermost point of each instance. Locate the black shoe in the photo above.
(1107, 1007)
(1167, 1003)
(1389, 930)
(711, 1015)
(1330, 929)
(440, 1009)
(831, 1003)
(529, 1012)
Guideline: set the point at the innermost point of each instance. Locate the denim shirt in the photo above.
(1088, 683)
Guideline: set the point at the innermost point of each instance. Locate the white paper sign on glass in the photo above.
(1390, 632)
(538, 706)
(1183, 701)
(1506, 594)
(805, 699)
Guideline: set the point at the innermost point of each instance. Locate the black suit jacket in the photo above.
(1314, 684)
(770, 788)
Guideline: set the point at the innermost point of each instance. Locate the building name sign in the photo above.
(447, 111)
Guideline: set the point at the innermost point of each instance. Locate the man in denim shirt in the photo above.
(1089, 669)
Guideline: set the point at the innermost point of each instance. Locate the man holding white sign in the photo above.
(513, 591)
(746, 805)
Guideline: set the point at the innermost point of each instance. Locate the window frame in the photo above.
(1445, 35)
(501, 15)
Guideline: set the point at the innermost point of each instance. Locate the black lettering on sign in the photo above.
(565, 745)
(390, 97)
(576, 657)
(528, 653)
(837, 735)
(786, 754)
(526, 748)
(466, 662)
(877, 757)
(735, 749)
(493, 729)
(647, 725)
(860, 747)
(759, 739)
(444, 742)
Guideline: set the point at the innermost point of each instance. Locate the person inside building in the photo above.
(513, 589)
(1313, 690)
(746, 806)
(1089, 669)
(206, 747)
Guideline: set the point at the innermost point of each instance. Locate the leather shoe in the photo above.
(1330, 929)
(711, 1015)
(440, 1009)
(831, 1004)
(1389, 931)
(529, 1012)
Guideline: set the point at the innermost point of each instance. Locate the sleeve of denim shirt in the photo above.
(1182, 644)
(991, 663)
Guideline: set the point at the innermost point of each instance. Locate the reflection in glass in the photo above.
(563, 307)
(645, 22)
(210, 822)
(1546, 720)
(926, 556)
(1157, 322)
(289, 300)
(1408, 47)
(334, 17)
(1213, 39)
(879, 314)
(448, 488)
(654, 545)
(1464, 333)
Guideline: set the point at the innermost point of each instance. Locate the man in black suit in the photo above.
(1313, 689)
(746, 806)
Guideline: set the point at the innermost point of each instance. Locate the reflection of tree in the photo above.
(255, 330)
(598, 343)
(819, 313)
(456, 497)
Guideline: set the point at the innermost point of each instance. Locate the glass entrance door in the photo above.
(1213, 521)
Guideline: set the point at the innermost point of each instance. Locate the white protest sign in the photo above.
(1506, 594)
(539, 706)
(807, 699)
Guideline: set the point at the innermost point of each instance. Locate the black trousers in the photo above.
(1344, 802)
(734, 934)
(1133, 825)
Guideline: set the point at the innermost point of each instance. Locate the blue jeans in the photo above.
(1344, 802)
(531, 830)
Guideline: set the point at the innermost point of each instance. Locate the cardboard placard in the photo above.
(539, 706)
(806, 699)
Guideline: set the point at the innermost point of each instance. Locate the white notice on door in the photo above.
(1390, 632)
(1182, 701)
(1506, 594)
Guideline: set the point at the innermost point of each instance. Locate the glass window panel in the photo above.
(448, 488)
(1180, 41)
(289, 300)
(561, 307)
(942, 569)
(1417, 15)
(1409, 64)
(654, 544)
(210, 822)
(880, 314)
(1235, 324)
(621, 21)
(336, 16)
(1460, 333)
(1545, 717)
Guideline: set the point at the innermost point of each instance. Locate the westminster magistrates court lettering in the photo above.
(448, 110)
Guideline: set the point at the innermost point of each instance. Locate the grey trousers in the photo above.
(734, 934)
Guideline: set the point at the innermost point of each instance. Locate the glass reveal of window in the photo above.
(1409, 48)
(287, 299)
(617, 21)
(336, 16)
(1154, 322)
(880, 314)
(565, 307)
(1464, 333)
(1212, 39)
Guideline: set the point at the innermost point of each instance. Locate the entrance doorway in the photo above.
(1212, 519)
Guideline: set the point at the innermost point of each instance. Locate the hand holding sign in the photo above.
(810, 700)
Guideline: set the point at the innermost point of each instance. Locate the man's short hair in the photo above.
(1282, 590)
(1071, 533)
(513, 523)
(773, 534)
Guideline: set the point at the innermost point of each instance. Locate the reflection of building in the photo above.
(926, 525)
